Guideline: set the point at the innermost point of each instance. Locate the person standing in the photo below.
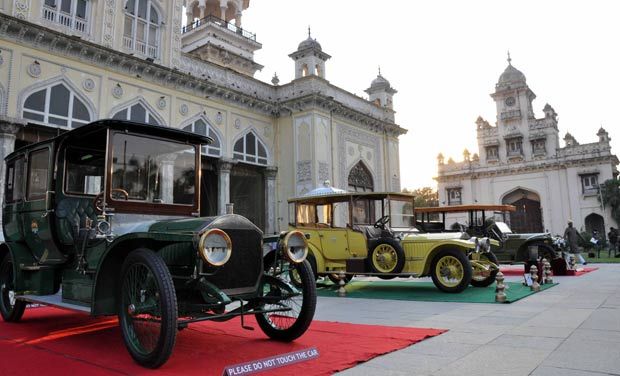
(572, 237)
(613, 240)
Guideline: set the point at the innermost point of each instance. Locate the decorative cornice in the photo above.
(444, 176)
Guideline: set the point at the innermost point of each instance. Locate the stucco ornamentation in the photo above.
(34, 69)
(304, 171)
(88, 84)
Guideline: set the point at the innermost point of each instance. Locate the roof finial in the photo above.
(308, 31)
(509, 59)
(379, 70)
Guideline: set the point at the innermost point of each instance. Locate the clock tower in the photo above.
(513, 98)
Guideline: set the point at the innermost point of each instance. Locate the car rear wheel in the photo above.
(148, 308)
(291, 324)
(481, 278)
(10, 308)
(451, 271)
(386, 256)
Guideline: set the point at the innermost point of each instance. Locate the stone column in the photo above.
(223, 10)
(238, 19)
(270, 174)
(8, 129)
(166, 180)
(223, 187)
(202, 5)
(189, 13)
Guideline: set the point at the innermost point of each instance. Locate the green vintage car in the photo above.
(104, 219)
(374, 234)
(490, 221)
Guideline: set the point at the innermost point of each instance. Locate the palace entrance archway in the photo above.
(528, 216)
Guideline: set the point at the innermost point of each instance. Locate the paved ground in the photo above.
(571, 329)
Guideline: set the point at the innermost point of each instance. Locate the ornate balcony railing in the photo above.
(219, 22)
(65, 19)
(140, 47)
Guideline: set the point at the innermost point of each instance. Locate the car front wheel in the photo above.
(148, 308)
(291, 324)
(451, 271)
(386, 256)
(10, 308)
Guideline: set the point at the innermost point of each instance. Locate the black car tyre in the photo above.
(288, 325)
(10, 308)
(545, 251)
(335, 278)
(385, 256)
(478, 280)
(312, 261)
(451, 270)
(148, 308)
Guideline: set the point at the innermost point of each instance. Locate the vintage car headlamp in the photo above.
(485, 244)
(215, 247)
(295, 246)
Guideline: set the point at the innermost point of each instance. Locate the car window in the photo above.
(38, 166)
(306, 213)
(401, 214)
(14, 182)
(153, 170)
(364, 212)
(85, 169)
(324, 214)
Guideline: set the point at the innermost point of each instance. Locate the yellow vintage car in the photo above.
(374, 234)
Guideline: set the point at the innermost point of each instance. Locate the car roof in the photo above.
(129, 126)
(343, 197)
(465, 208)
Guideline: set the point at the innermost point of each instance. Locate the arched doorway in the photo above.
(528, 216)
(595, 222)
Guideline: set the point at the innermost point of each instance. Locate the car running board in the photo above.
(54, 300)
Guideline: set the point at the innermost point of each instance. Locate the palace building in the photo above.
(64, 63)
(520, 161)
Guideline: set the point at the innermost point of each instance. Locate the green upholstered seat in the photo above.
(71, 214)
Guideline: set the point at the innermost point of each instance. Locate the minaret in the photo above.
(381, 92)
(309, 58)
(213, 33)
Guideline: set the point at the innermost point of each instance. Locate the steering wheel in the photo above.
(381, 222)
(98, 200)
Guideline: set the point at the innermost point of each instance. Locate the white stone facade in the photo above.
(176, 75)
(520, 161)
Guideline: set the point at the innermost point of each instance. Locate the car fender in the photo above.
(522, 253)
(109, 268)
(21, 255)
(462, 245)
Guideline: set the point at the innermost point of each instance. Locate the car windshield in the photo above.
(401, 213)
(153, 170)
(503, 227)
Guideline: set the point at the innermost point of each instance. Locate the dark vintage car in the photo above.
(103, 219)
(488, 220)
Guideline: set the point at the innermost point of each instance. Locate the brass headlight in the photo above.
(295, 246)
(215, 247)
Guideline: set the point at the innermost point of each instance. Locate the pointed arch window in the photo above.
(250, 149)
(360, 179)
(57, 105)
(142, 28)
(202, 127)
(137, 113)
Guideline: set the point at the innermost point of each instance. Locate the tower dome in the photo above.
(309, 43)
(379, 82)
(511, 75)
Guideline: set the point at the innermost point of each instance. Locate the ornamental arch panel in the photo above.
(250, 148)
(200, 124)
(360, 178)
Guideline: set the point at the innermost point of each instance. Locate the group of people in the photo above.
(572, 238)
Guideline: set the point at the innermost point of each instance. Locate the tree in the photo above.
(424, 197)
(610, 196)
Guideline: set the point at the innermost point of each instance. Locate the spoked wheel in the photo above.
(10, 308)
(386, 256)
(291, 324)
(484, 278)
(148, 308)
(451, 270)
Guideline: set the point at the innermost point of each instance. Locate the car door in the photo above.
(35, 211)
(335, 243)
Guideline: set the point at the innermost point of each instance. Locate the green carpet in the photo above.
(425, 291)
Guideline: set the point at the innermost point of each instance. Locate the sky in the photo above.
(445, 57)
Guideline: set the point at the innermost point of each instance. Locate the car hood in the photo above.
(199, 225)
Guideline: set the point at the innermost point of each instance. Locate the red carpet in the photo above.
(53, 342)
(518, 270)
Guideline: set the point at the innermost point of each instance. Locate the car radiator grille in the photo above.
(242, 272)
